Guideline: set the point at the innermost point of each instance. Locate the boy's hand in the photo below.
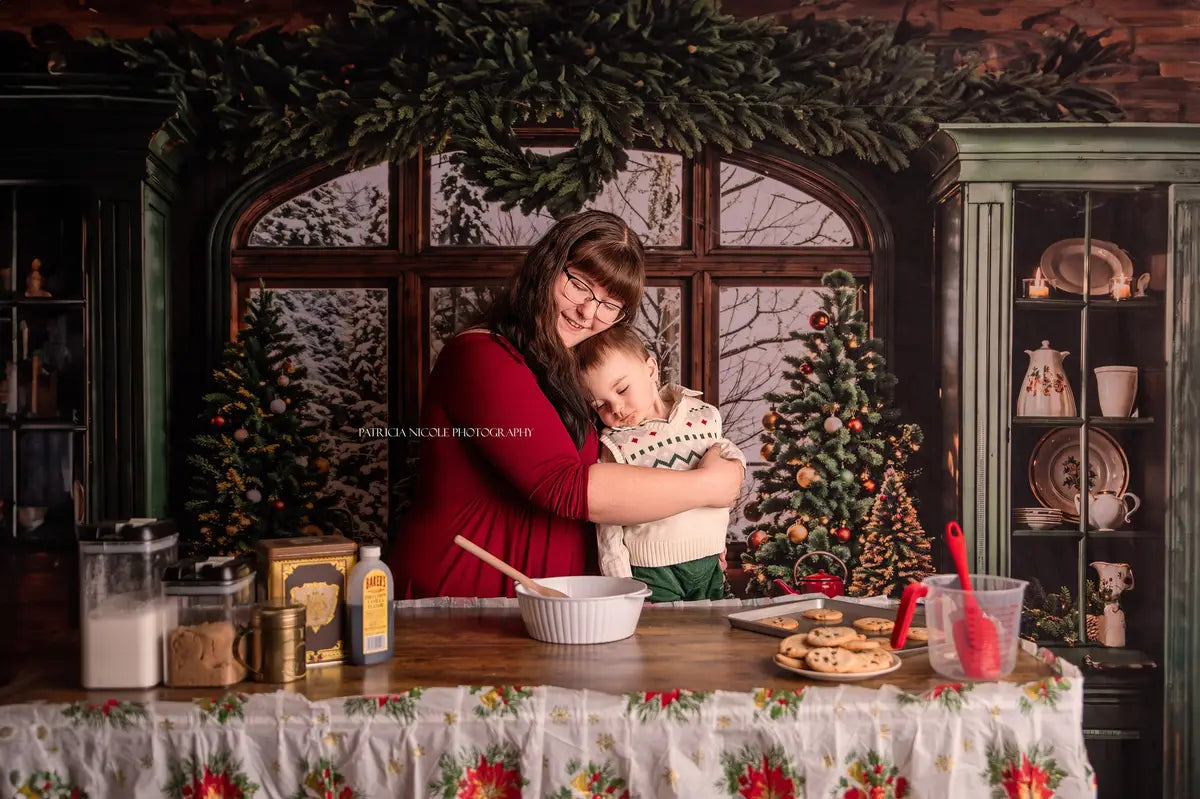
(721, 560)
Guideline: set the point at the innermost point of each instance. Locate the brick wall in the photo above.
(1161, 85)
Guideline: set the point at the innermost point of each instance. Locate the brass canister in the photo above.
(277, 651)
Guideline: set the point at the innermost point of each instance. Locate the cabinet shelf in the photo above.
(1025, 532)
(10, 422)
(1133, 422)
(1047, 421)
(1025, 304)
(41, 302)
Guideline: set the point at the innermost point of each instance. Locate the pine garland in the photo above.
(896, 550)
(384, 81)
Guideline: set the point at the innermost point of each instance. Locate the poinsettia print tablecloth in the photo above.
(507, 741)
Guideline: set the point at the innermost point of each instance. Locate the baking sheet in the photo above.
(751, 619)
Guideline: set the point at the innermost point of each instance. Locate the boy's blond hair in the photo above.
(619, 338)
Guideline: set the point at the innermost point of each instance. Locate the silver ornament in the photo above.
(833, 424)
(254, 495)
(277, 406)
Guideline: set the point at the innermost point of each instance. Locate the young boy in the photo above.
(679, 557)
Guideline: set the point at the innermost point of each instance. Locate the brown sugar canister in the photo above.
(312, 572)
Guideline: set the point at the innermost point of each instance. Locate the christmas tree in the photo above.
(896, 550)
(260, 467)
(828, 441)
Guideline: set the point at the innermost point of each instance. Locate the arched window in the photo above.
(379, 267)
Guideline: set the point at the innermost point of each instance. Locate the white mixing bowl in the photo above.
(596, 609)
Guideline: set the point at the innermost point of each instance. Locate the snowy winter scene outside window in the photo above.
(453, 309)
(758, 211)
(348, 211)
(646, 194)
(755, 336)
(343, 336)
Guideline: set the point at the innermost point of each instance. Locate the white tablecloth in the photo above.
(481, 742)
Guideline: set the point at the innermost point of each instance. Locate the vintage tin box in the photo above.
(312, 572)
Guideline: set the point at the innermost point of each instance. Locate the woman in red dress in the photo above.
(509, 449)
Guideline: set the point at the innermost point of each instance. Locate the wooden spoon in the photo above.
(496, 563)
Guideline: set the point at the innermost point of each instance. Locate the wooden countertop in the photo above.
(693, 648)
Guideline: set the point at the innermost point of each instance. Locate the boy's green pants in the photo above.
(696, 579)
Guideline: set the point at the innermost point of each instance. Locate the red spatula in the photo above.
(975, 638)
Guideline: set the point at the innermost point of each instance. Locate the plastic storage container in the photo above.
(369, 620)
(121, 602)
(208, 601)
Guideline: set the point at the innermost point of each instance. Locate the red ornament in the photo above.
(842, 533)
(870, 486)
(855, 424)
(218, 421)
(757, 539)
(278, 504)
(819, 320)
(806, 368)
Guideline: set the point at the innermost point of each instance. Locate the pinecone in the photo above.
(1092, 625)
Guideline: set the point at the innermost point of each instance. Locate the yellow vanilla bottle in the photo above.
(369, 608)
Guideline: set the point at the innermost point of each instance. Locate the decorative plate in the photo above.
(1063, 262)
(834, 677)
(1054, 468)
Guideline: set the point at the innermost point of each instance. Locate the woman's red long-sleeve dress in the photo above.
(500, 470)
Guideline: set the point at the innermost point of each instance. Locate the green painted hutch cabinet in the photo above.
(87, 177)
(1067, 260)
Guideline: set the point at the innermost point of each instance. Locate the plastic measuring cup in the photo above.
(999, 598)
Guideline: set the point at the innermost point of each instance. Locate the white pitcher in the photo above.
(1108, 510)
(1045, 390)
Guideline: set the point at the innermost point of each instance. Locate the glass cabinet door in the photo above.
(1088, 488)
(43, 368)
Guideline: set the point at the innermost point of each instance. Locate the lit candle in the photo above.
(1039, 287)
(1120, 287)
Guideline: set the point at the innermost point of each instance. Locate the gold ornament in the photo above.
(795, 462)
(852, 343)
(767, 452)
(761, 577)
(770, 420)
(321, 465)
(797, 533)
(806, 477)
(825, 520)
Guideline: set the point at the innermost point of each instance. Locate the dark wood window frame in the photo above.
(409, 266)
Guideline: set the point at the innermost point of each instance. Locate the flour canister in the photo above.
(1045, 391)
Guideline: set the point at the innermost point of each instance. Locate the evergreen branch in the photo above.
(384, 82)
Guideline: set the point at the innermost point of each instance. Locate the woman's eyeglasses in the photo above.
(579, 292)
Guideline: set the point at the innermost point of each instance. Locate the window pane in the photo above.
(647, 194)
(343, 335)
(758, 211)
(755, 327)
(660, 323)
(453, 309)
(348, 211)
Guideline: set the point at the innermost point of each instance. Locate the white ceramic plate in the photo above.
(1054, 468)
(1063, 262)
(832, 677)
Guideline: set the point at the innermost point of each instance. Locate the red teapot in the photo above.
(820, 582)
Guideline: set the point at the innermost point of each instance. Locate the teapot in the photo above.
(1107, 510)
(1045, 391)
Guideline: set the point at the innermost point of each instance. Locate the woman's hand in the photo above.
(723, 477)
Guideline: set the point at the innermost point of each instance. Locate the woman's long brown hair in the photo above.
(601, 246)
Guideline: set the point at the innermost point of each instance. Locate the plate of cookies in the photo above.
(836, 654)
(806, 615)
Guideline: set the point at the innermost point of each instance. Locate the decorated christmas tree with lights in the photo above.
(259, 467)
(895, 551)
(829, 441)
